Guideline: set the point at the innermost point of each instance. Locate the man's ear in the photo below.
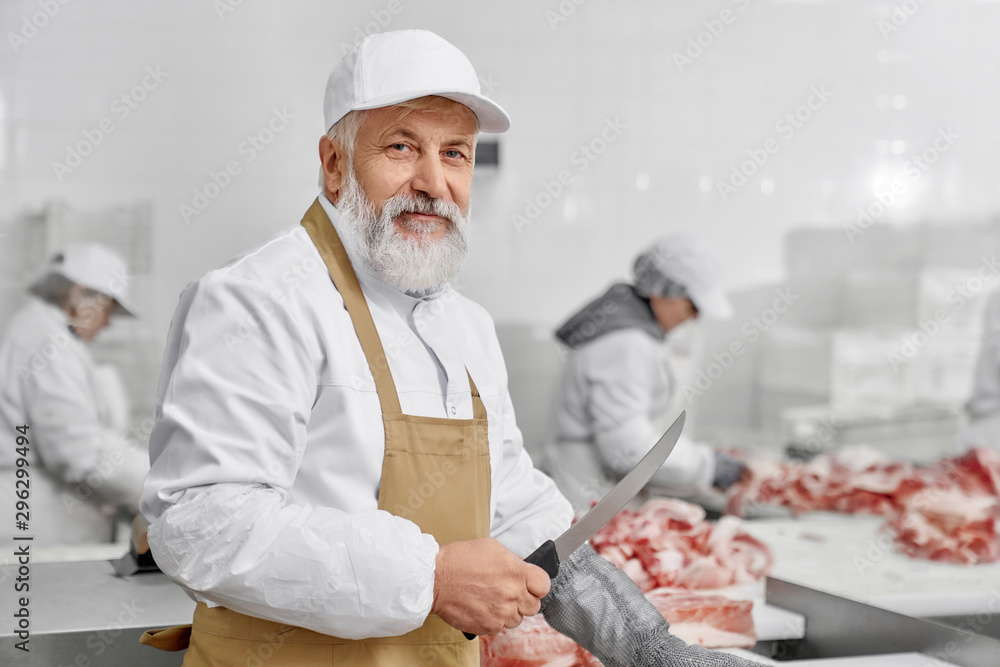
(333, 162)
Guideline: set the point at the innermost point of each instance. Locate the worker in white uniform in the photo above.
(617, 383)
(983, 406)
(337, 476)
(82, 469)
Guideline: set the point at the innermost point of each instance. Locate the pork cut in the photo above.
(946, 511)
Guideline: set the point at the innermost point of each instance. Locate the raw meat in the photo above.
(669, 543)
(947, 511)
(857, 480)
(713, 621)
(666, 543)
(949, 525)
(532, 644)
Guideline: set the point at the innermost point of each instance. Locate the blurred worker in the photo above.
(81, 472)
(983, 407)
(617, 383)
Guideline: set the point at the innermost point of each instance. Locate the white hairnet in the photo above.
(690, 262)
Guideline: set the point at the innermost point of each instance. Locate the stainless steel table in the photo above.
(82, 616)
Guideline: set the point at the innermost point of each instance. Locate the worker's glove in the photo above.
(598, 606)
(728, 471)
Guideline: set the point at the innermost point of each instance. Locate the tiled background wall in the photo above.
(891, 77)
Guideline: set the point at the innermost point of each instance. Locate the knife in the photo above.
(552, 552)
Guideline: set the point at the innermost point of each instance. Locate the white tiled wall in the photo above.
(679, 132)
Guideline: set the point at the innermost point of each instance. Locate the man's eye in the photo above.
(454, 154)
(399, 147)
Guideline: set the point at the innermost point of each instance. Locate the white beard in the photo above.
(413, 265)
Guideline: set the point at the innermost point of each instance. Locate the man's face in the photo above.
(405, 195)
(671, 312)
(425, 152)
(89, 312)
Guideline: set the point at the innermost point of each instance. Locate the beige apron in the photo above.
(436, 473)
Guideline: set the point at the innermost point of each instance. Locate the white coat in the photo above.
(616, 390)
(983, 406)
(81, 467)
(268, 447)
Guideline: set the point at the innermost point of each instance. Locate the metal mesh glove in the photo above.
(598, 606)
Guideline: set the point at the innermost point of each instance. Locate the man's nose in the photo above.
(429, 177)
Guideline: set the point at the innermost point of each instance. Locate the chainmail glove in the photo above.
(598, 606)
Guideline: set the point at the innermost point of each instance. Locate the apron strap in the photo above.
(478, 407)
(324, 236)
(176, 638)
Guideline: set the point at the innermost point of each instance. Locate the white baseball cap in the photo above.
(691, 262)
(391, 67)
(95, 267)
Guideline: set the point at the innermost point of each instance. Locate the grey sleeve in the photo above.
(598, 606)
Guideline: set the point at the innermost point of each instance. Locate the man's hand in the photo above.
(139, 537)
(480, 587)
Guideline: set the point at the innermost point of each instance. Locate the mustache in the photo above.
(420, 203)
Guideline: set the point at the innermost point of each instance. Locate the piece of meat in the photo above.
(949, 525)
(856, 480)
(532, 644)
(713, 621)
(666, 543)
(669, 543)
(945, 511)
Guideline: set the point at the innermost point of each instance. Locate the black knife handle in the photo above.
(544, 557)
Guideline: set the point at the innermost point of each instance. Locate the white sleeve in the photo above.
(71, 442)
(229, 439)
(624, 377)
(530, 509)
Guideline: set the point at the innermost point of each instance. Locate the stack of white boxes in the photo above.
(881, 343)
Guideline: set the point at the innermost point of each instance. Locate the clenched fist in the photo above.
(480, 587)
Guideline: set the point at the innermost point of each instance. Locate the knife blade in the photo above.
(552, 552)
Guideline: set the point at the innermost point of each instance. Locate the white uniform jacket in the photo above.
(615, 391)
(268, 447)
(81, 466)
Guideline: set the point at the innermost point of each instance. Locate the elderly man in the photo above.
(346, 483)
